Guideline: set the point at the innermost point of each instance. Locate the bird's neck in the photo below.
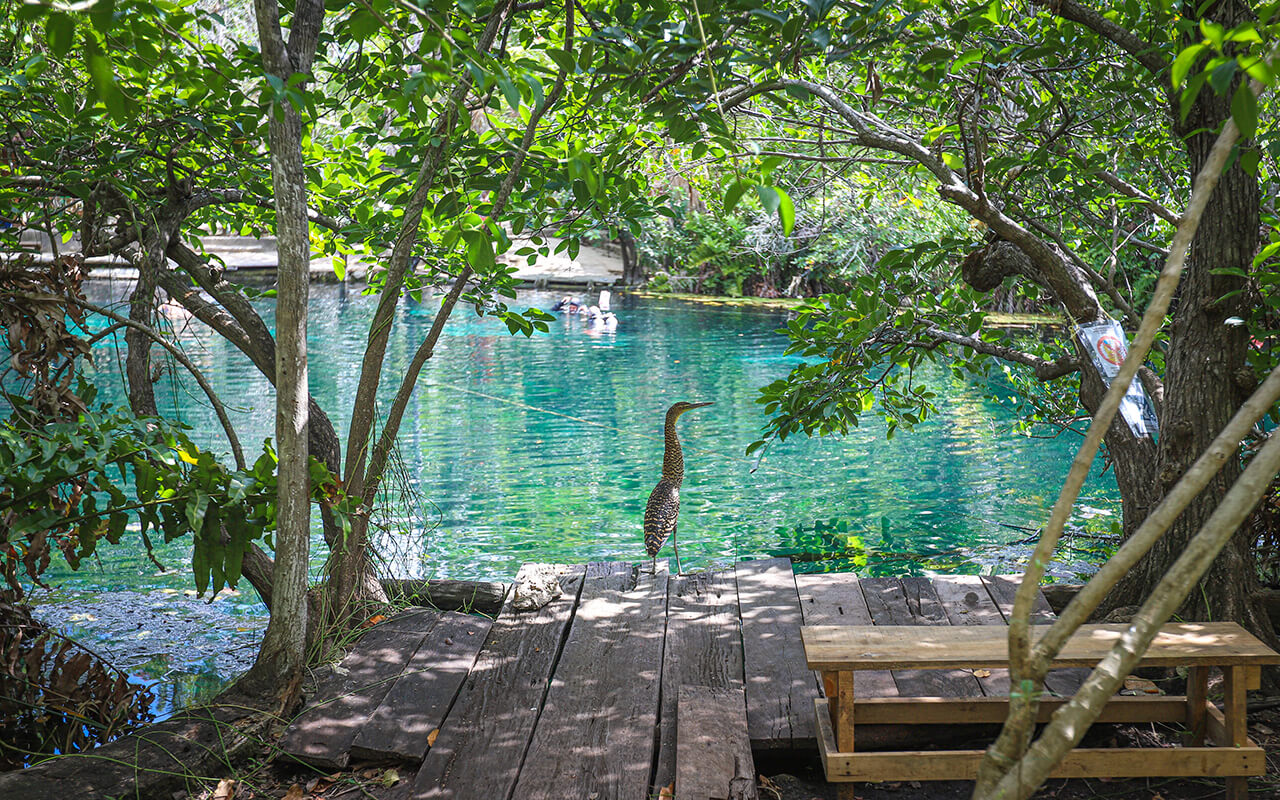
(672, 458)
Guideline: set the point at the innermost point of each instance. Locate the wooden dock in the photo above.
(629, 685)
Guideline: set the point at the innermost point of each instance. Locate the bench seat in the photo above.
(840, 651)
(1185, 644)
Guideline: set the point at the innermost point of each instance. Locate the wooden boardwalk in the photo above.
(626, 685)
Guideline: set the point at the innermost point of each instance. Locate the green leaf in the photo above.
(60, 32)
(1259, 70)
(102, 73)
(1214, 33)
(965, 60)
(564, 61)
(1220, 78)
(1189, 94)
(196, 507)
(769, 198)
(479, 249)
(509, 91)
(1244, 110)
(786, 211)
(1183, 63)
(1249, 159)
(734, 194)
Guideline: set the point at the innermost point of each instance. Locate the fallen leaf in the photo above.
(226, 790)
(668, 792)
(320, 785)
(1135, 685)
(389, 778)
(294, 793)
(431, 737)
(982, 673)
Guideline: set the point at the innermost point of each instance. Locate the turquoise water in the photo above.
(545, 449)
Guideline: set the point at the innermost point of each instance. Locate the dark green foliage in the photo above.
(56, 697)
(71, 485)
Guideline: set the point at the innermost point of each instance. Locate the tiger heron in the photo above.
(663, 510)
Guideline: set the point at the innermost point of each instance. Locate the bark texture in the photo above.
(1202, 386)
(283, 651)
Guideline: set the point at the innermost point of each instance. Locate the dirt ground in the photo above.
(792, 779)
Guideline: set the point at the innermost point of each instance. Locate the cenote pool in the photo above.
(545, 449)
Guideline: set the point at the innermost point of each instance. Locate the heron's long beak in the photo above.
(692, 406)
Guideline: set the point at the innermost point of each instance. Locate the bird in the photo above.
(663, 509)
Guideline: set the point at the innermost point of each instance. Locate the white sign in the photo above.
(1108, 347)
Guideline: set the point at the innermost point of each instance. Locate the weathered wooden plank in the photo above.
(836, 599)
(713, 747)
(1003, 589)
(478, 751)
(416, 704)
(703, 648)
(594, 738)
(892, 601)
(780, 689)
(322, 734)
(830, 647)
(966, 602)
(952, 712)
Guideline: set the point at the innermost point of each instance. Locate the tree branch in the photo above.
(361, 425)
(242, 326)
(1144, 52)
(1044, 369)
(391, 428)
(1098, 279)
(1129, 190)
(1058, 274)
(182, 359)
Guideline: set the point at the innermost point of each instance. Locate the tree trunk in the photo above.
(632, 274)
(1206, 375)
(283, 652)
(137, 362)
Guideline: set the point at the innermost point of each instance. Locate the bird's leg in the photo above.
(653, 569)
(677, 549)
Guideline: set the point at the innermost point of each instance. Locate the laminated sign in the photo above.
(1108, 347)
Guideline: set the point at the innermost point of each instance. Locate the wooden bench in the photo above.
(838, 651)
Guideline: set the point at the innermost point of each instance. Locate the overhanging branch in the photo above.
(1144, 52)
(1044, 369)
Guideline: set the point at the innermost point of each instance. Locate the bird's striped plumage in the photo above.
(662, 512)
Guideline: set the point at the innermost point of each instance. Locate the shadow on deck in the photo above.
(629, 683)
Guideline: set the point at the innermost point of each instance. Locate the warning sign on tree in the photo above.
(1108, 347)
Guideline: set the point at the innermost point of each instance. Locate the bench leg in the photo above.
(1233, 710)
(1197, 693)
(842, 712)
